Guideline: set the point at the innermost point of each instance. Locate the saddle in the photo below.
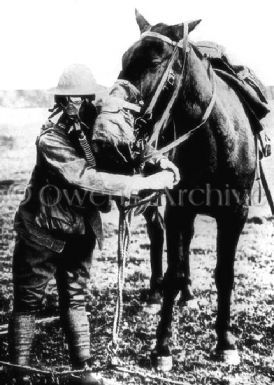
(242, 79)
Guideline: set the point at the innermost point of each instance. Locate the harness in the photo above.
(169, 78)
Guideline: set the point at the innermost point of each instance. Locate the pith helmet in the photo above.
(76, 80)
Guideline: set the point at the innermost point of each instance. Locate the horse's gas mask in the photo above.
(113, 133)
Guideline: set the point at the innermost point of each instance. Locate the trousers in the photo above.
(34, 265)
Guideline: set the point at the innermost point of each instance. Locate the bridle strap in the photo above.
(163, 38)
(148, 112)
(190, 133)
(166, 114)
(181, 44)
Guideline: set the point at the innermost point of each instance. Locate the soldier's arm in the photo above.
(60, 155)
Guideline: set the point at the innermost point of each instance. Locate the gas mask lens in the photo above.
(73, 106)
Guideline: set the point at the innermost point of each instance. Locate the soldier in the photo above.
(56, 233)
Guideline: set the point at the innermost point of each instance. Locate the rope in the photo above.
(123, 245)
(125, 214)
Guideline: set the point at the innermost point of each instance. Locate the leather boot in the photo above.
(20, 338)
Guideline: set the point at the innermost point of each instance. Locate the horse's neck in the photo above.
(228, 128)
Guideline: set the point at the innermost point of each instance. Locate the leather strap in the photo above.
(190, 133)
(131, 106)
(166, 114)
(183, 44)
(162, 37)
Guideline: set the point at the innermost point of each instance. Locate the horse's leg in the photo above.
(229, 228)
(173, 281)
(156, 235)
(187, 231)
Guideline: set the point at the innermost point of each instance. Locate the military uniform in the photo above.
(58, 214)
(58, 222)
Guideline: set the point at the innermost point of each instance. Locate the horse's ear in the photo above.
(141, 21)
(179, 28)
(193, 24)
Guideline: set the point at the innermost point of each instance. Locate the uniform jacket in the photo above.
(62, 195)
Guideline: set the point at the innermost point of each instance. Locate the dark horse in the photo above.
(217, 164)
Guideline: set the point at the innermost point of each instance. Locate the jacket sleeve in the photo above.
(58, 152)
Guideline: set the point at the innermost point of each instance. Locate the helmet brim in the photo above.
(70, 92)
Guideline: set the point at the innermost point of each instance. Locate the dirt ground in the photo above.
(193, 326)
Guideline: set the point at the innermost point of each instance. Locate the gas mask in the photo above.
(78, 109)
(73, 106)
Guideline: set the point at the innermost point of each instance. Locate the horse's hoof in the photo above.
(152, 308)
(191, 304)
(153, 301)
(226, 341)
(150, 296)
(188, 300)
(161, 363)
(154, 297)
(229, 357)
(186, 296)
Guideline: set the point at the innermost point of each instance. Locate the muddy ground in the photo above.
(193, 327)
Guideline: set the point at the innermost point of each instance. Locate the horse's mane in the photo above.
(201, 57)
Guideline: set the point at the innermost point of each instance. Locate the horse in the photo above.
(215, 151)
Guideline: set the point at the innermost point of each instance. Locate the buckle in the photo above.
(171, 78)
(140, 122)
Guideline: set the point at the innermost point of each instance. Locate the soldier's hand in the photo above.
(160, 181)
(166, 164)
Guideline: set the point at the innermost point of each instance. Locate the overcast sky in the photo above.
(40, 37)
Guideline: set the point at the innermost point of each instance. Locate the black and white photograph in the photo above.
(136, 192)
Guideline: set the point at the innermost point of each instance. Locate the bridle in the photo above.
(168, 78)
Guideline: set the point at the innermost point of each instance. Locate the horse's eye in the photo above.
(155, 62)
(154, 65)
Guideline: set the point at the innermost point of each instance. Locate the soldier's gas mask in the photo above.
(78, 109)
(74, 104)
